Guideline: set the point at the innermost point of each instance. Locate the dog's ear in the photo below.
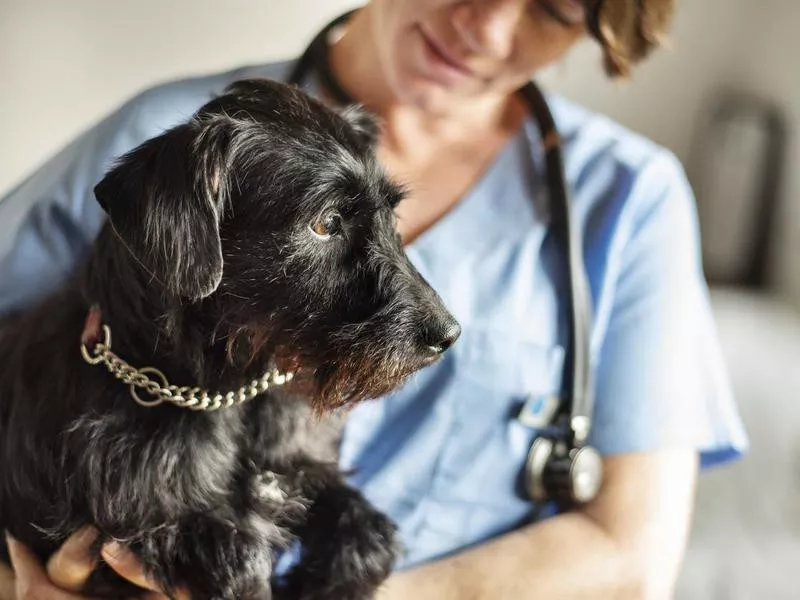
(164, 201)
(364, 124)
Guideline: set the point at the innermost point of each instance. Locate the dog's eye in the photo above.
(328, 225)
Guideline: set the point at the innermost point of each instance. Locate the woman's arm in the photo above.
(628, 543)
(49, 221)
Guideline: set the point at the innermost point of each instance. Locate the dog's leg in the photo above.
(348, 546)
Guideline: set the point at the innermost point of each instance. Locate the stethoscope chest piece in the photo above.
(555, 472)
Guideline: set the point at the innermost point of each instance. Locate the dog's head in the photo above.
(270, 212)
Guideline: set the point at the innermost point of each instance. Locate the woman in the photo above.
(442, 455)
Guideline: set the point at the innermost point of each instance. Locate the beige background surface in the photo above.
(63, 64)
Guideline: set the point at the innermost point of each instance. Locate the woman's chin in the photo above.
(430, 96)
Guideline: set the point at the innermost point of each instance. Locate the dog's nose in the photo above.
(442, 334)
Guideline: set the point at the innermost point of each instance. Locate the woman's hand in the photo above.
(68, 569)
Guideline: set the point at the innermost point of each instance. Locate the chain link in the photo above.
(192, 398)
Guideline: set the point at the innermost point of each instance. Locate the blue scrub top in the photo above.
(442, 455)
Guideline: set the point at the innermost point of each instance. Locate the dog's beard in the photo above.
(347, 380)
(345, 383)
(356, 362)
(366, 361)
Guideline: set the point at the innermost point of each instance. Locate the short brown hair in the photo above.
(628, 30)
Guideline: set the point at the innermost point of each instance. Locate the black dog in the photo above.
(257, 238)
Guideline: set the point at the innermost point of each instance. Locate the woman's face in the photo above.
(435, 52)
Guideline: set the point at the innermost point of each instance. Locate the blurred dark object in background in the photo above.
(737, 163)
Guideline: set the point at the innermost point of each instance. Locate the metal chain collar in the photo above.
(192, 398)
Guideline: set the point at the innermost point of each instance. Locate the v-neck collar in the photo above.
(497, 206)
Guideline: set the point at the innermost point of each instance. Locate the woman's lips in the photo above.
(442, 61)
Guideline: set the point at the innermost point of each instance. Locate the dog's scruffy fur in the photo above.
(259, 233)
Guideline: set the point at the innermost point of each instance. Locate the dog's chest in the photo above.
(282, 427)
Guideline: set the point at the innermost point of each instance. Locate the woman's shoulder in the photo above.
(609, 163)
(631, 196)
(165, 104)
(591, 133)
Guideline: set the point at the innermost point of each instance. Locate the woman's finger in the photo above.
(71, 565)
(7, 583)
(31, 578)
(127, 566)
(26, 566)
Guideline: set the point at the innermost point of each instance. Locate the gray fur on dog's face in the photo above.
(268, 215)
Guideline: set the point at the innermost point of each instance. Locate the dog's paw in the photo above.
(346, 555)
(371, 547)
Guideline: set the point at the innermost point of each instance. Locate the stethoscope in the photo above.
(560, 466)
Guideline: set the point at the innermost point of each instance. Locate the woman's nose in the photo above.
(488, 27)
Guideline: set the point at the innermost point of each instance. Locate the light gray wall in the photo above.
(770, 59)
(65, 64)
